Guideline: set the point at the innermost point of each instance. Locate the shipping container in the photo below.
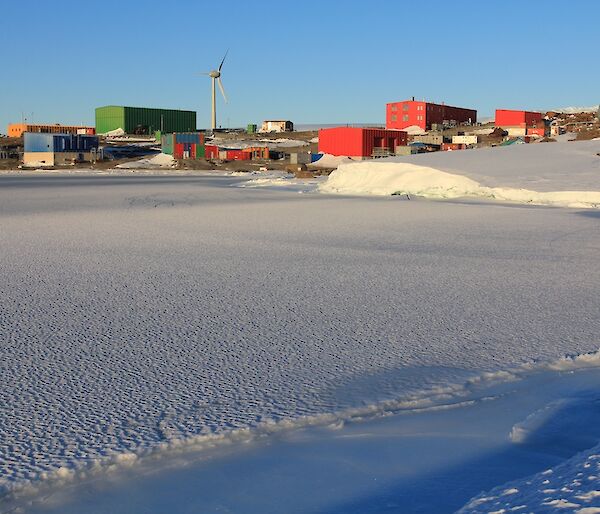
(466, 140)
(360, 142)
(166, 144)
(178, 150)
(183, 150)
(143, 120)
(238, 155)
(538, 131)
(251, 129)
(258, 152)
(448, 147)
(211, 151)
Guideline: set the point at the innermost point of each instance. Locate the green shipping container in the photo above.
(251, 128)
(143, 120)
(166, 144)
(200, 151)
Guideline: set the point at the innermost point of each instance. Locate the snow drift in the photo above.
(115, 133)
(565, 175)
(158, 161)
(331, 161)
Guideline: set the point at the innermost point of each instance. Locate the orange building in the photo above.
(17, 129)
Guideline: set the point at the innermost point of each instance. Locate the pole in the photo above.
(214, 106)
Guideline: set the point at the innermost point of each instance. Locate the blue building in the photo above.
(42, 149)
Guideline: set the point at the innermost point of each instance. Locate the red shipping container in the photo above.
(452, 146)
(238, 155)
(540, 131)
(211, 151)
(178, 151)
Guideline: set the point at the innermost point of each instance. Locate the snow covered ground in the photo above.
(141, 315)
(157, 161)
(386, 462)
(272, 144)
(558, 174)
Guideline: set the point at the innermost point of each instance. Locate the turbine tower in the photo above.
(215, 76)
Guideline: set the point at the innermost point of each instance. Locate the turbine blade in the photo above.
(222, 90)
(221, 65)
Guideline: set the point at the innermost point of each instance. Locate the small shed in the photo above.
(277, 126)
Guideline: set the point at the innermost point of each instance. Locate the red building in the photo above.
(520, 123)
(360, 142)
(400, 115)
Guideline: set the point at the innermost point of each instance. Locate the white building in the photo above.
(465, 140)
(277, 126)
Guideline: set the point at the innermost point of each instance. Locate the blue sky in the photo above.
(308, 61)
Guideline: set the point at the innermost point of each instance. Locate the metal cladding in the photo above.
(509, 118)
(40, 142)
(400, 115)
(189, 137)
(211, 151)
(184, 145)
(166, 143)
(18, 129)
(360, 142)
(521, 123)
(239, 155)
(143, 120)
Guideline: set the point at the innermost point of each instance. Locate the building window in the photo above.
(420, 118)
(405, 117)
(394, 117)
(394, 107)
(405, 107)
(419, 107)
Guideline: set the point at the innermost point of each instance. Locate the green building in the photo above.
(143, 120)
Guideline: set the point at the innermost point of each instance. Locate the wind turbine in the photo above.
(215, 75)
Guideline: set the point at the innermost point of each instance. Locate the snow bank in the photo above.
(272, 144)
(115, 133)
(331, 161)
(284, 143)
(370, 178)
(575, 109)
(573, 486)
(573, 170)
(158, 161)
(36, 164)
(414, 130)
